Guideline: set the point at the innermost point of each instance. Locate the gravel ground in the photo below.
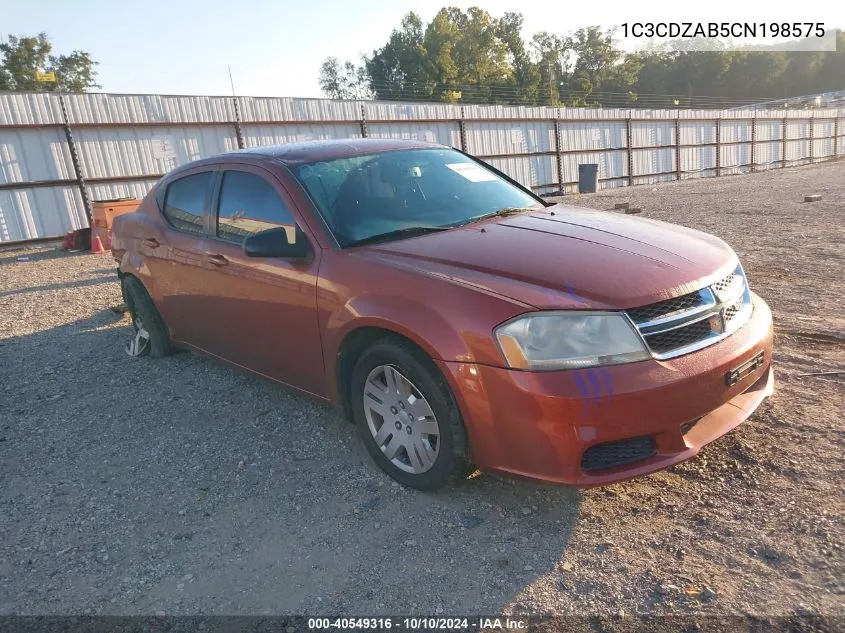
(135, 486)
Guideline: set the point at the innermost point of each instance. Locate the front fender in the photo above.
(412, 319)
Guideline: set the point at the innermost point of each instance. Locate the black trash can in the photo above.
(588, 177)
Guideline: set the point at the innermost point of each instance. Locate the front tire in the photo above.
(407, 417)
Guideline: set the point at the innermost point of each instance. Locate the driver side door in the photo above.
(262, 312)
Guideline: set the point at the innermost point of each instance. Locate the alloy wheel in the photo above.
(140, 342)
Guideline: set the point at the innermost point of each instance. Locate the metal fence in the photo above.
(59, 152)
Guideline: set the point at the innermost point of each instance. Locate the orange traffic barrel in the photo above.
(104, 212)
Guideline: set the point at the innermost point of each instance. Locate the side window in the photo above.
(249, 204)
(185, 202)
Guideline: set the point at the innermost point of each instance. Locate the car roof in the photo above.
(292, 154)
(333, 148)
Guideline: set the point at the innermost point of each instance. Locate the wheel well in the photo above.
(122, 276)
(350, 349)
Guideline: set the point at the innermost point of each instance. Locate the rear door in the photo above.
(262, 312)
(175, 255)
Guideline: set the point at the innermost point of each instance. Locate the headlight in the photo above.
(569, 340)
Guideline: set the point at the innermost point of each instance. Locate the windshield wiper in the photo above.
(495, 214)
(398, 234)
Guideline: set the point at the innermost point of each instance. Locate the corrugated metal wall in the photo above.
(119, 139)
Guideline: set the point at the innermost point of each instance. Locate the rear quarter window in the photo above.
(186, 202)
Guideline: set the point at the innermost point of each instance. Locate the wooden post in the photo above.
(836, 137)
(783, 142)
(77, 166)
(363, 122)
(754, 143)
(239, 133)
(558, 160)
(718, 147)
(812, 138)
(463, 131)
(628, 135)
(677, 148)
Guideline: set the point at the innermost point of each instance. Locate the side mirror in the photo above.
(276, 243)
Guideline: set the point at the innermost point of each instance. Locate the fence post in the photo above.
(463, 131)
(363, 122)
(677, 148)
(836, 137)
(783, 142)
(77, 166)
(630, 152)
(238, 131)
(558, 162)
(754, 143)
(718, 147)
(812, 138)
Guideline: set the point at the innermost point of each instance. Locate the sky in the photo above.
(275, 48)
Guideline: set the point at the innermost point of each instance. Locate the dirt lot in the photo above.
(182, 486)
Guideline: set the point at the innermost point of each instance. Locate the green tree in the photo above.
(831, 70)
(654, 76)
(466, 53)
(22, 57)
(398, 70)
(553, 65)
(755, 75)
(691, 74)
(596, 60)
(471, 56)
(344, 81)
(524, 80)
(802, 74)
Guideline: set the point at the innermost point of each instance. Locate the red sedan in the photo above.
(458, 319)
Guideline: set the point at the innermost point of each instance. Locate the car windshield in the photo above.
(403, 193)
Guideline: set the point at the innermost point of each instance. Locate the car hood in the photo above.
(566, 257)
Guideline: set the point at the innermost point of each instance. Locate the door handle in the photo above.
(151, 242)
(217, 260)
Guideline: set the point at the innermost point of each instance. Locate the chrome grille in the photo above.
(723, 284)
(666, 308)
(664, 342)
(684, 324)
(732, 311)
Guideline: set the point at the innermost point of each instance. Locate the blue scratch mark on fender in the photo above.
(593, 385)
(570, 290)
(608, 380)
(584, 390)
(582, 386)
(594, 381)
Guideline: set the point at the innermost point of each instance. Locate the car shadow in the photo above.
(60, 286)
(23, 253)
(184, 486)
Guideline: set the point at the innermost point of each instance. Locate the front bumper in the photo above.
(540, 424)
